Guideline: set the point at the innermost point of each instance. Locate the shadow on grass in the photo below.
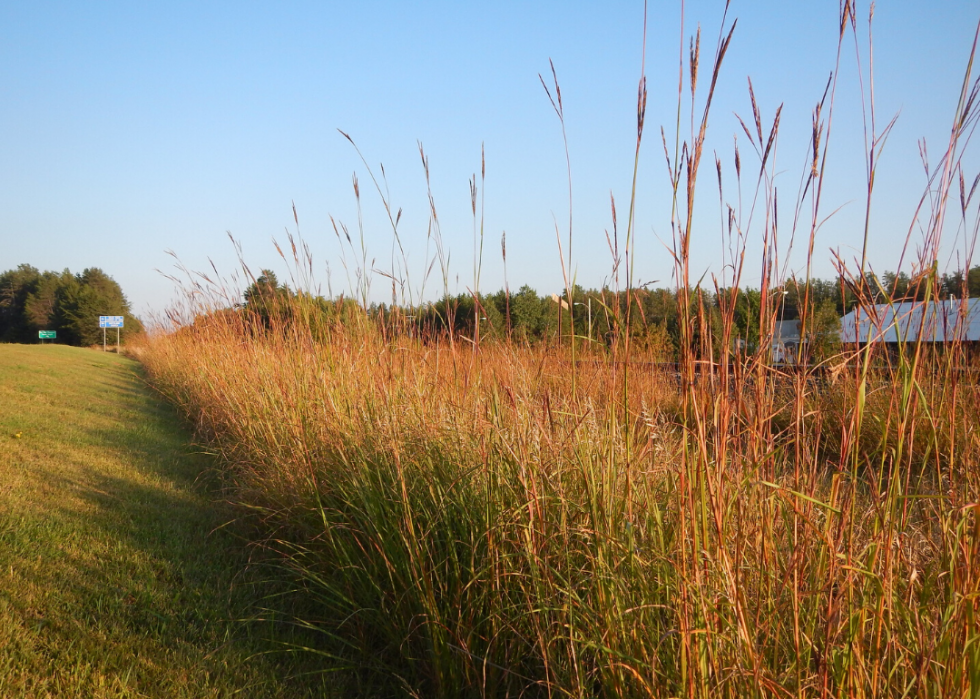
(149, 569)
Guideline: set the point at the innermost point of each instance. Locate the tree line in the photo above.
(649, 317)
(70, 304)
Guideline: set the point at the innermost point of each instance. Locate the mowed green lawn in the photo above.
(117, 576)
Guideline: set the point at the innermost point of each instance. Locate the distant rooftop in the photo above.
(942, 321)
(786, 331)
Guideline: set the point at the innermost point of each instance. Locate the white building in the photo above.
(907, 321)
(785, 341)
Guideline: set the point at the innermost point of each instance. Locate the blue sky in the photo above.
(127, 130)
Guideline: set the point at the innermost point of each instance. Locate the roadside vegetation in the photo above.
(68, 304)
(526, 317)
(506, 521)
(470, 515)
(120, 574)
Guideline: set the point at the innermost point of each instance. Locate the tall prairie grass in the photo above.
(502, 519)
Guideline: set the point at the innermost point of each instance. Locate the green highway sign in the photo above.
(47, 334)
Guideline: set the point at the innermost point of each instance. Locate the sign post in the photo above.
(110, 322)
(46, 335)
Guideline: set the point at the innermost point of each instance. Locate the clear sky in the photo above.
(131, 129)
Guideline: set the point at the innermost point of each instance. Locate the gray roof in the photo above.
(786, 331)
(935, 321)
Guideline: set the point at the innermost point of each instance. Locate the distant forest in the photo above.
(600, 315)
(70, 304)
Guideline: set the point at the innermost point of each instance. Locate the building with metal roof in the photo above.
(908, 321)
(785, 341)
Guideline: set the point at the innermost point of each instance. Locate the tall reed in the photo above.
(542, 522)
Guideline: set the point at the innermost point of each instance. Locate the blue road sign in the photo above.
(110, 321)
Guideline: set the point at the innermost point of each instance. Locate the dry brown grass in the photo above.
(468, 524)
(502, 519)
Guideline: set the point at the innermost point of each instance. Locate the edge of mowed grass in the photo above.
(118, 574)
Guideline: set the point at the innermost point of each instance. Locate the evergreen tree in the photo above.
(80, 300)
(68, 304)
(265, 297)
(16, 286)
(40, 305)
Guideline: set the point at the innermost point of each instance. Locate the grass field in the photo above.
(469, 516)
(116, 576)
